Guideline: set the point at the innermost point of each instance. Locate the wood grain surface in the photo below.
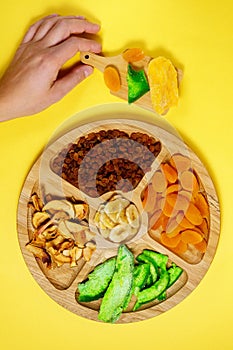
(61, 283)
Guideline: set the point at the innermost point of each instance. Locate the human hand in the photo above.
(33, 80)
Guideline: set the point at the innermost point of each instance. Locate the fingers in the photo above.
(68, 48)
(33, 29)
(64, 28)
(62, 86)
(41, 28)
(48, 23)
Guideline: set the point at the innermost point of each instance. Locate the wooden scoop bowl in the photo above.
(101, 62)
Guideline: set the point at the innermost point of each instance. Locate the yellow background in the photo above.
(198, 36)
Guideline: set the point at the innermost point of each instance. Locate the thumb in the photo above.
(65, 84)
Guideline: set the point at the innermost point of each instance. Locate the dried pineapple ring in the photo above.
(163, 82)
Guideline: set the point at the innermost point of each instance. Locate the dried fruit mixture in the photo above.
(107, 160)
(177, 207)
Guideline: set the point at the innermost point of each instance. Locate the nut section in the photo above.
(118, 219)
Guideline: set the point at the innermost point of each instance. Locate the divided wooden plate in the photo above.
(61, 283)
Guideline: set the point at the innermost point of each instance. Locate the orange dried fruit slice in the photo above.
(173, 188)
(154, 218)
(160, 201)
(183, 221)
(171, 225)
(168, 241)
(180, 162)
(177, 201)
(112, 78)
(171, 199)
(161, 222)
(202, 205)
(191, 237)
(159, 181)
(188, 195)
(149, 204)
(169, 172)
(204, 228)
(133, 55)
(168, 209)
(193, 214)
(163, 82)
(176, 231)
(180, 248)
(201, 246)
(189, 181)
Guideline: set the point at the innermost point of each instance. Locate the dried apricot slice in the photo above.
(171, 225)
(189, 181)
(159, 181)
(168, 209)
(174, 188)
(180, 162)
(169, 172)
(168, 241)
(112, 78)
(188, 195)
(150, 203)
(202, 205)
(201, 246)
(177, 201)
(163, 83)
(161, 222)
(183, 221)
(154, 219)
(180, 248)
(160, 200)
(133, 55)
(191, 237)
(193, 214)
(176, 231)
(204, 228)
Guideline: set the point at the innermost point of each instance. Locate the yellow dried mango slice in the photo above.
(163, 82)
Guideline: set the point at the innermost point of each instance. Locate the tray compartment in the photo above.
(178, 209)
(107, 159)
(136, 249)
(54, 237)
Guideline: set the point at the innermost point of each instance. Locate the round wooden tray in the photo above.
(61, 283)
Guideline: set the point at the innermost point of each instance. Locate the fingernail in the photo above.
(97, 26)
(87, 70)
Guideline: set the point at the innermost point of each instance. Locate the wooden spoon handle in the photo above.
(100, 62)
